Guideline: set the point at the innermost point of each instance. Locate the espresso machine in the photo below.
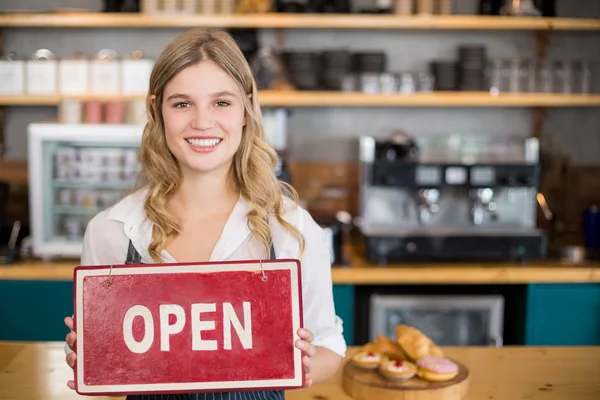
(438, 201)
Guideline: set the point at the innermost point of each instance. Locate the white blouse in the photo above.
(107, 237)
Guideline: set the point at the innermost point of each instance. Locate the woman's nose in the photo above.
(203, 119)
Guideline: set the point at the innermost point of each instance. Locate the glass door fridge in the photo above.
(76, 171)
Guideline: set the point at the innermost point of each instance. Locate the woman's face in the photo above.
(203, 112)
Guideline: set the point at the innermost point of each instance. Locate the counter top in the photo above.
(38, 370)
(360, 272)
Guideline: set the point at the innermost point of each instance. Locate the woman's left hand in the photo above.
(305, 345)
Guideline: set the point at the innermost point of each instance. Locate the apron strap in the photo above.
(272, 255)
(133, 257)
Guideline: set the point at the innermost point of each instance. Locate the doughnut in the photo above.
(436, 369)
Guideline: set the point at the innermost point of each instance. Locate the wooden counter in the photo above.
(361, 272)
(39, 371)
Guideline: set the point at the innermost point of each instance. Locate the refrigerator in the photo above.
(75, 172)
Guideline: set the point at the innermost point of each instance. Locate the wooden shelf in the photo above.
(270, 98)
(438, 99)
(363, 273)
(29, 100)
(13, 171)
(298, 21)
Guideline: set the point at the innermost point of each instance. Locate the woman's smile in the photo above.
(204, 144)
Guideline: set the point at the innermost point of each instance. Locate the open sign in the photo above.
(182, 328)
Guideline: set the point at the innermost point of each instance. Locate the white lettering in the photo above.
(132, 344)
(167, 330)
(244, 332)
(230, 318)
(198, 326)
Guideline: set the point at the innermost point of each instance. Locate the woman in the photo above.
(208, 192)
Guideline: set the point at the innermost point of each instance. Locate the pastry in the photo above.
(367, 359)
(416, 344)
(436, 369)
(386, 346)
(398, 369)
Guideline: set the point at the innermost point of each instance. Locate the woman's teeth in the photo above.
(204, 142)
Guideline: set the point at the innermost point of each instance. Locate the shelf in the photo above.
(362, 273)
(54, 100)
(438, 99)
(76, 210)
(13, 171)
(272, 98)
(115, 185)
(298, 21)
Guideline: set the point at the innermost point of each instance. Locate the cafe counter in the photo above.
(39, 371)
(563, 298)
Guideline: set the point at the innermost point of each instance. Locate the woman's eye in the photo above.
(182, 105)
(222, 103)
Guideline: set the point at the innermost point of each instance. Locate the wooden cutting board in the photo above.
(365, 384)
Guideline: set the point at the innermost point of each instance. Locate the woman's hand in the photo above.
(305, 345)
(71, 336)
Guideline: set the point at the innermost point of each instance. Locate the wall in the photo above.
(576, 130)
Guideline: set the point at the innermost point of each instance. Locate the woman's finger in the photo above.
(71, 385)
(306, 334)
(70, 339)
(71, 359)
(307, 362)
(69, 322)
(306, 347)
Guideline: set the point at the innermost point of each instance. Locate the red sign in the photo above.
(182, 328)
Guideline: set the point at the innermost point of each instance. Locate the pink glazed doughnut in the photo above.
(435, 369)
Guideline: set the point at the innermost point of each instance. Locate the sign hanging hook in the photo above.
(262, 271)
(107, 283)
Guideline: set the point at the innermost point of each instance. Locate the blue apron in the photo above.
(133, 257)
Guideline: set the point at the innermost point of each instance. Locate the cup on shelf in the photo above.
(370, 83)
(136, 112)
(65, 197)
(130, 157)
(406, 83)
(388, 83)
(107, 198)
(113, 157)
(86, 198)
(112, 174)
(114, 112)
(71, 111)
(63, 171)
(92, 112)
(73, 228)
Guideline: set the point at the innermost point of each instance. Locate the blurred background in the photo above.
(450, 148)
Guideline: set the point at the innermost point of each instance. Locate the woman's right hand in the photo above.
(71, 336)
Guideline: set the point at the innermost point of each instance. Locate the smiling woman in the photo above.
(201, 117)
(208, 192)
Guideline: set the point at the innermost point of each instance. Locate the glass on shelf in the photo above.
(514, 75)
(582, 76)
(495, 75)
(350, 83)
(370, 83)
(563, 77)
(406, 83)
(545, 77)
(426, 81)
(388, 83)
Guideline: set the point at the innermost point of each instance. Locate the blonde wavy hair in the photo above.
(253, 163)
